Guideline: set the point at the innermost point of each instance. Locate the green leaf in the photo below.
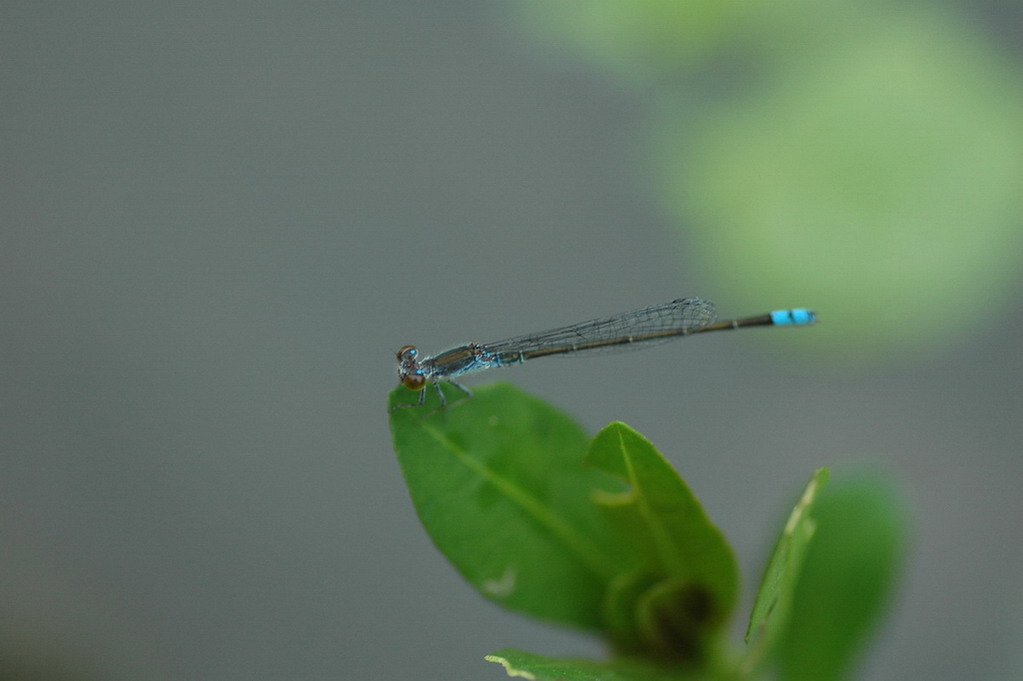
(846, 578)
(520, 664)
(499, 484)
(773, 602)
(612, 540)
(688, 580)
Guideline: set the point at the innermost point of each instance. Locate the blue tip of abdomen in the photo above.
(795, 317)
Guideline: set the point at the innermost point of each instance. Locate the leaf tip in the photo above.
(617, 427)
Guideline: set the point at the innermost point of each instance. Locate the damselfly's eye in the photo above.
(413, 381)
(407, 352)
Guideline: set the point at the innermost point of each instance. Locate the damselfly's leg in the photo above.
(440, 393)
(466, 394)
(440, 396)
(465, 391)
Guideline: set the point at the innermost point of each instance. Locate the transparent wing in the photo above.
(639, 328)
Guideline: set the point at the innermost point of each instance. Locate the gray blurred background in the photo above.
(218, 221)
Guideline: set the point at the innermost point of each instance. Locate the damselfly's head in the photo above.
(410, 373)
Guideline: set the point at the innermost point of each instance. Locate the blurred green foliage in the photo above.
(864, 160)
